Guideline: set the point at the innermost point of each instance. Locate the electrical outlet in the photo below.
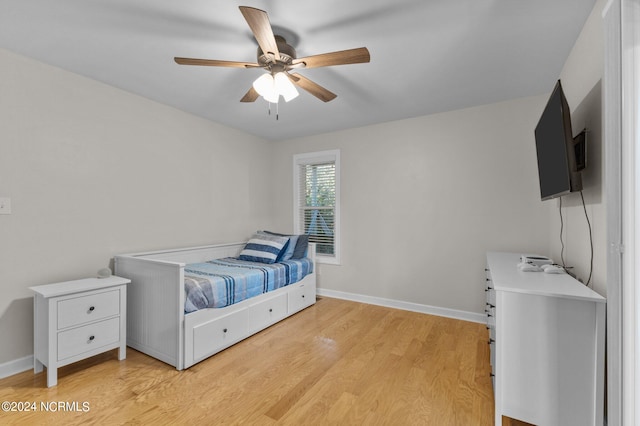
(5, 205)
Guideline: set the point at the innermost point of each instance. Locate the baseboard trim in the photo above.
(16, 366)
(406, 306)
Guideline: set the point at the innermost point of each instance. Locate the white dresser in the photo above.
(547, 335)
(74, 320)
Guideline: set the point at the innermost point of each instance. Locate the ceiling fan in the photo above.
(278, 58)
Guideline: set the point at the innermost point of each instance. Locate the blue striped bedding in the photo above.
(223, 282)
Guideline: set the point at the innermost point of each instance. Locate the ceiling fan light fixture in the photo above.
(285, 87)
(265, 86)
(270, 87)
(271, 98)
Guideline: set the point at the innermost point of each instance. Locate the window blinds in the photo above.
(317, 207)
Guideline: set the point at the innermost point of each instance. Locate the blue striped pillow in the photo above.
(263, 248)
(287, 252)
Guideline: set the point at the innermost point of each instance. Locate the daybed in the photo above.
(157, 324)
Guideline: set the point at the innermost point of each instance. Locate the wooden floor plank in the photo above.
(337, 362)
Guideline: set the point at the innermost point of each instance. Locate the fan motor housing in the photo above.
(287, 54)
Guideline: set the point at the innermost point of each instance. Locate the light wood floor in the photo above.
(337, 362)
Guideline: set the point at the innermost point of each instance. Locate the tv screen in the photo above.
(557, 170)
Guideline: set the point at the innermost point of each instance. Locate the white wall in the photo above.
(423, 199)
(93, 171)
(581, 79)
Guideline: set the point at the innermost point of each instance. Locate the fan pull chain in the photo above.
(277, 110)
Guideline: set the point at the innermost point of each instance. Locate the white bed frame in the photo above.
(158, 326)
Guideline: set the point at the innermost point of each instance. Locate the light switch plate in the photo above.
(5, 205)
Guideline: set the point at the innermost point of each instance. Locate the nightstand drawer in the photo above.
(88, 338)
(83, 309)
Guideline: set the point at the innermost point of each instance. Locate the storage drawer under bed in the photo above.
(267, 312)
(301, 297)
(213, 336)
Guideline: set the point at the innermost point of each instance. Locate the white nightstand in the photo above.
(74, 320)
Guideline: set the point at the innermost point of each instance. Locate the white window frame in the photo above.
(318, 158)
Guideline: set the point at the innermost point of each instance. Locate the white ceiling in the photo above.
(427, 56)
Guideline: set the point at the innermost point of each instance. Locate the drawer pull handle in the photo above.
(224, 330)
(491, 341)
(492, 375)
(303, 296)
(92, 308)
(490, 305)
(91, 338)
(270, 310)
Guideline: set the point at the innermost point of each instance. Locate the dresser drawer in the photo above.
(88, 338)
(92, 307)
(267, 312)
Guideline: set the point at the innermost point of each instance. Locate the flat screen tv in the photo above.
(560, 155)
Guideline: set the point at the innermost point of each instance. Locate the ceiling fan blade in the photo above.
(215, 63)
(250, 96)
(314, 88)
(258, 21)
(343, 57)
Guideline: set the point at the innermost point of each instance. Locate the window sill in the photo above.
(326, 260)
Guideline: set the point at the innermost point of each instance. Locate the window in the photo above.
(316, 185)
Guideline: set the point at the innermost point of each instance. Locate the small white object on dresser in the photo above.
(547, 345)
(74, 320)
